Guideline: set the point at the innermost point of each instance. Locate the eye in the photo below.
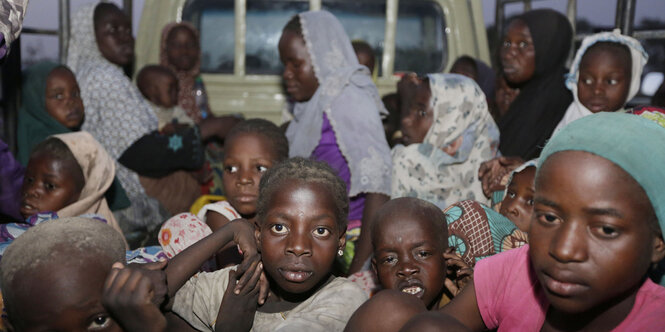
(587, 81)
(424, 253)
(511, 194)
(421, 113)
(230, 169)
(99, 322)
(278, 229)
(607, 231)
(529, 202)
(388, 260)
(59, 96)
(261, 168)
(49, 186)
(506, 44)
(548, 219)
(321, 231)
(29, 180)
(612, 82)
(523, 44)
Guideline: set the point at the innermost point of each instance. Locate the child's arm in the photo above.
(215, 220)
(373, 202)
(464, 308)
(186, 263)
(128, 297)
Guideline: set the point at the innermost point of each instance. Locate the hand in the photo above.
(492, 172)
(128, 296)
(243, 236)
(239, 303)
(458, 274)
(155, 272)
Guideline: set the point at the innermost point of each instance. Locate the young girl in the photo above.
(516, 200)
(337, 106)
(252, 147)
(597, 230)
(300, 229)
(448, 132)
(605, 75)
(67, 174)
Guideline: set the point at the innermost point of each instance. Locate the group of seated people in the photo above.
(527, 200)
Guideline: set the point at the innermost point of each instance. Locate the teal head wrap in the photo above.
(624, 140)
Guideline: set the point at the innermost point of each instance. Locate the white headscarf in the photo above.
(351, 102)
(115, 112)
(639, 58)
(427, 172)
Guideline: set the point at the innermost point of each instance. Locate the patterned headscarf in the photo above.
(186, 79)
(115, 112)
(639, 58)
(11, 21)
(427, 172)
(350, 100)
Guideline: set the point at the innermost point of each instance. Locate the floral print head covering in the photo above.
(427, 172)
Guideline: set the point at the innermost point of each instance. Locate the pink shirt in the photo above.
(510, 297)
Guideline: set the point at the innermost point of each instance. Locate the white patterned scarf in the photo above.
(351, 102)
(115, 112)
(427, 172)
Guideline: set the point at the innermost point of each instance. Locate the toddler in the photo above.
(68, 275)
(596, 232)
(300, 229)
(605, 74)
(517, 203)
(67, 174)
(159, 86)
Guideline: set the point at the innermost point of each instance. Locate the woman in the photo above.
(448, 131)
(533, 57)
(121, 120)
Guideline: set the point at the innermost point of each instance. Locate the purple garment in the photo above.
(11, 179)
(328, 151)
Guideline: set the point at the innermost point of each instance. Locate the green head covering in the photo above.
(624, 140)
(34, 122)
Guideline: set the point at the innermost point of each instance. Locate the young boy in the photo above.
(68, 275)
(160, 86)
(409, 243)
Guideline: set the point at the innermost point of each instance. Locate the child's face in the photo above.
(408, 255)
(465, 68)
(63, 298)
(114, 37)
(518, 54)
(604, 81)
(49, 184)
(518, 203)
(590, 240)
(247, 156)
(182, 48)
(166, 91)
(417, 113)
(299, 78)
(63, 98)
(299, 237)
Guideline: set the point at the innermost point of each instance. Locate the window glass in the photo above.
(420, 39)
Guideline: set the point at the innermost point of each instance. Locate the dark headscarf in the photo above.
(543, 100)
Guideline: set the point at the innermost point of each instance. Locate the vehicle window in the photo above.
(420, 38)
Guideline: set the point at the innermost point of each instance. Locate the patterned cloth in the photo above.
(476, 231)
(145, 255)
(639, 58)
(180, 232)
(349, 98)
(116, 113)
(186, 79)
(11, 22)
(427, 172)
(653, 113)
